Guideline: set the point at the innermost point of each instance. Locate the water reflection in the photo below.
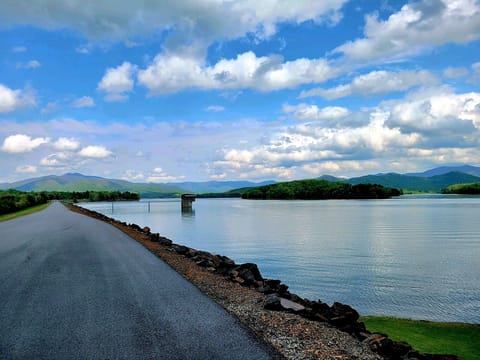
(188, 212)
(406, 257)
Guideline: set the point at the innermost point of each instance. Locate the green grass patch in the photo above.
(458, 339)
(23, 212)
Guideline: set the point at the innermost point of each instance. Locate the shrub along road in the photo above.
(75, 287)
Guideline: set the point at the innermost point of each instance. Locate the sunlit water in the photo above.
(410, 257)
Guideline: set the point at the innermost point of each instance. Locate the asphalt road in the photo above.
(72, 287)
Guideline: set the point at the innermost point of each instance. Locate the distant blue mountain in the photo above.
(218, 186)
(466, 169)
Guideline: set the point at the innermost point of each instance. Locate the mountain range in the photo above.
(79, 182)
(432, 180)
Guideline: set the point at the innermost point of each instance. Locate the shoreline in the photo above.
(297, 328)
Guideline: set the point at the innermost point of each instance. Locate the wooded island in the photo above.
(319, 190)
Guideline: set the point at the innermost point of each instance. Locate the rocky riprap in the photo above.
(276, 302)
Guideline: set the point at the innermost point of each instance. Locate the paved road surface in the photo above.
(72, 287)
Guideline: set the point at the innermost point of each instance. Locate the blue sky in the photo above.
(161, 91)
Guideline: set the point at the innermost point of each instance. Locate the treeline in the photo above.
(15, 200)
(464, 189)
(319, 190)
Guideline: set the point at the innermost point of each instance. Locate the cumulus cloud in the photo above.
(310, 148)
(118, 82)
(19, 143)
(132, 175)
(32, 64)
(186, 21)
(84, 102)
(56, 160)
(413, 28)
(11, 100)
(313, 112)
(158, 175)
(26, 169)
(374, 83)
(68, 144)
(95, 152)
(170, 73)
(443, 111)
(340, 166)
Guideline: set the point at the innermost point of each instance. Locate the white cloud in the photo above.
(19, 143)
(374, 83)
(300, 149)
(117, 82)
(340, 167)
(56, 160)
(158, 175)
(26, 169)
(132, 175)
(170, 73)
(32, 64)
(458, 114)
(413, 28)
(11, 100)
(455, 72)
(313, 112)
(83, 102)
(95, 152)
(66, 144)
(215, 108)
(187, 21)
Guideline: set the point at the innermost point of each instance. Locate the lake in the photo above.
(412, 256)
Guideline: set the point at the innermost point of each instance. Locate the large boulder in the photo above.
(275, 302)
(247, 274)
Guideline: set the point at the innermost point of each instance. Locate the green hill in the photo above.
(319, 190)
(416, 183)
(465, 189)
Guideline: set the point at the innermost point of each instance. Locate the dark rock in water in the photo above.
(223, 264)
(180, 249)
(155, 237)
(135, 226)
(248, 272)
(274, 286)
(146, 230)
(342, 310)
(272, 302)
(164, 241)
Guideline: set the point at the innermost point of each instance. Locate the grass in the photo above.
(458, 339)
(23, 212)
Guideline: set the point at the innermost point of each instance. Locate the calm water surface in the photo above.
(416, 257)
